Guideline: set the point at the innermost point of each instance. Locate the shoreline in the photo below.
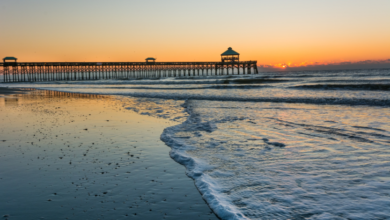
(89, 158)
(12, 91)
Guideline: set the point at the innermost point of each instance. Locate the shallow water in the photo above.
(298, 145)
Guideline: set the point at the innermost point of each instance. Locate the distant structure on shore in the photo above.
(230, 64)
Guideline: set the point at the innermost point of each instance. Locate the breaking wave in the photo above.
(374, 87)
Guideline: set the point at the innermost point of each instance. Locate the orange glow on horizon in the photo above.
(281, 66)
(132, 31)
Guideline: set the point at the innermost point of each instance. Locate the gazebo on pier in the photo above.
(230, 56)
(7, 59)
(150, 60)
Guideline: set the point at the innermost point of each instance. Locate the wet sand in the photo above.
(10, 91)
(85, 157)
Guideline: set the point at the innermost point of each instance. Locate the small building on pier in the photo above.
(230, 56)
(150, 60)
(10, 61)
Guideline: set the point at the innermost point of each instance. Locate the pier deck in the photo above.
(66, 71)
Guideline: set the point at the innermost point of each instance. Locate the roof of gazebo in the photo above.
(230, 51)
(9, 58)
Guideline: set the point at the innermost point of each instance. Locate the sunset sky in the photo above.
(274, 33)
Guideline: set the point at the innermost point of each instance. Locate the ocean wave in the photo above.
(183, 88)
(344, 133)
(186, 96)
(355, 81)
(375, 87)
(250, 166)
(317, 101)
(196, 167)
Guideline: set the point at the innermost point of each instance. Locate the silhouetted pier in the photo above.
(14, 71)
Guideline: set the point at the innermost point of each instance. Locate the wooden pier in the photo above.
(72, 71)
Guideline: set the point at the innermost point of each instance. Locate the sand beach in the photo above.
(80, 156)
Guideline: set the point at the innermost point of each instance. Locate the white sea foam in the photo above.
(271, 169)
(196, 168)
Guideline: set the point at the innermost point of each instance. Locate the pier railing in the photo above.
(68, 71)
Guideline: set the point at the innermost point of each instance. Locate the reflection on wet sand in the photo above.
(11, 101)
(67, 155)
(56, 94)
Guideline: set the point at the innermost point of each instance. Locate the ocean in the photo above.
(275, 145)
